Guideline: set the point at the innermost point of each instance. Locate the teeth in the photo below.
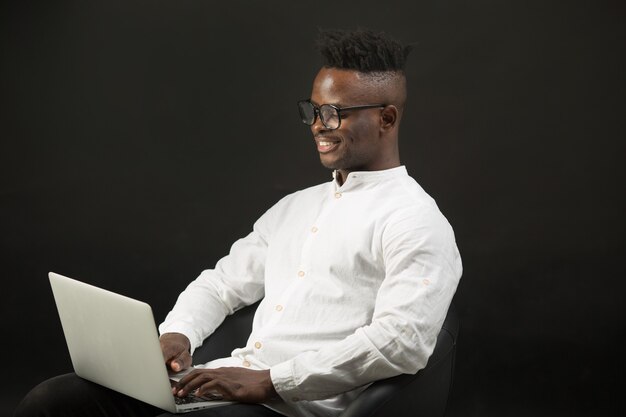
(325, 143)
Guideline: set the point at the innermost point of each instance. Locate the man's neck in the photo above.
(340, 176)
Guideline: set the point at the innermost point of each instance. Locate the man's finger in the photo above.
(176, 365)
(181, 362)
(190, 382)
(216, 388)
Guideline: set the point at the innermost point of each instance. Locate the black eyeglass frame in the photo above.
(317, 113)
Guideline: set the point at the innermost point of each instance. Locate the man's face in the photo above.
(355, 145)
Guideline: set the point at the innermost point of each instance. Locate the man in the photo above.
(356, 275)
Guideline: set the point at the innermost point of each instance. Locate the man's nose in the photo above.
(318, 126)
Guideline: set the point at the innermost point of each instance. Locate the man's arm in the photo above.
(237, 280)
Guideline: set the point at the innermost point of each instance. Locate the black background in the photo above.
(139, 139)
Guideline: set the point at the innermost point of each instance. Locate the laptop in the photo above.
(113, 342)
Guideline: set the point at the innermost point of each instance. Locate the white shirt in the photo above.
(356, 281)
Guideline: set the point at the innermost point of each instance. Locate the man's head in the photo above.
(361, 68)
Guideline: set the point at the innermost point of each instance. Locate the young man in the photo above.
(356, 275)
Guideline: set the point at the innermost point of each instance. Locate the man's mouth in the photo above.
(325, 146)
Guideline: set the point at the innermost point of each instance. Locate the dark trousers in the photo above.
(69, 395)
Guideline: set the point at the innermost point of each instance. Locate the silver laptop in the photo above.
(113, 342)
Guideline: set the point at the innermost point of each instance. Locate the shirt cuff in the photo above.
(185, 330)
(284, 382)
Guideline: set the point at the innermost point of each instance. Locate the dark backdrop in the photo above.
(139, 139)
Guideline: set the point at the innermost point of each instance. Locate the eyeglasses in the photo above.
(330, 115)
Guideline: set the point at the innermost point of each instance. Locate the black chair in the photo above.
(424, 394)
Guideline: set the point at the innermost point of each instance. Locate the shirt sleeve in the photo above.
(236, 281)
(422, 270)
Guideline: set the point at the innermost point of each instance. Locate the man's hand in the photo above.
(236, 384)
(175, 348)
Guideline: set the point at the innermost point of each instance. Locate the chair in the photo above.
(424, 394)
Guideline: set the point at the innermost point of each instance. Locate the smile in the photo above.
(325, 146)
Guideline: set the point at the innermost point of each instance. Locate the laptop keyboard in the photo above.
(189, 399)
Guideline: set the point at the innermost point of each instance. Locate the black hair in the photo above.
(361, 50)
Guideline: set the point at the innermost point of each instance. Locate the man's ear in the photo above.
(388, 118)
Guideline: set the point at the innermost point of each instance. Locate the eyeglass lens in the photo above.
(307, 112)
(328, 114)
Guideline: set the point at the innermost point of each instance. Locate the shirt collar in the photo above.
(369, 176)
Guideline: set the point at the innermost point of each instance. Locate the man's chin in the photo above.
(329, 163)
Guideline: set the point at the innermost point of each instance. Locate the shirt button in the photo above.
(258, 345)
(314, 229)
(279, 308)
(337, 195)
(426, 281)
(246, 364)
(300, 274)
(295, 399)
